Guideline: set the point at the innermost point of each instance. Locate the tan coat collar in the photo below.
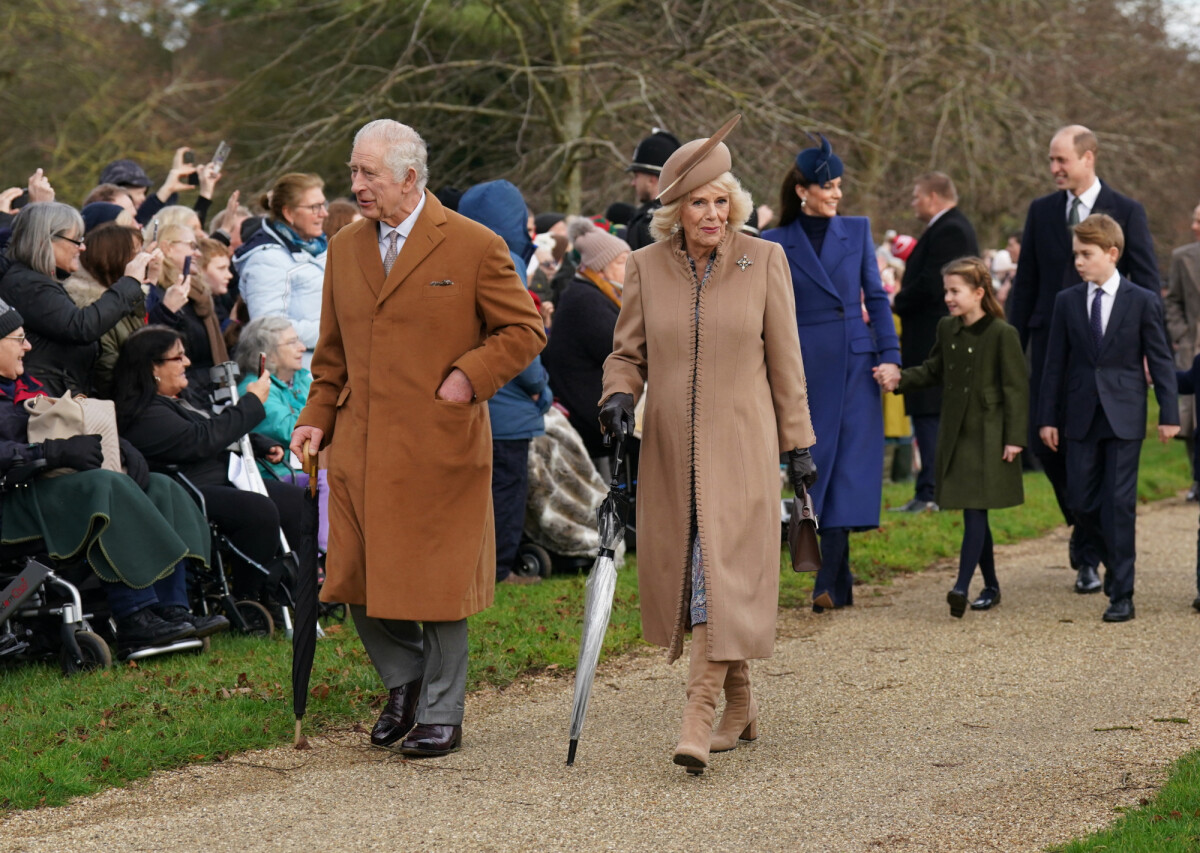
(425, 237)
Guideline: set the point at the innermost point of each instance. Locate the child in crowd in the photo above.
(1093, 398)
(977, 359)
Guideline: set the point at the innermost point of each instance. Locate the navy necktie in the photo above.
(1097, 324)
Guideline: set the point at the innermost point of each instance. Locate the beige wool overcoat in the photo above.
(411, 532)
(726, 395)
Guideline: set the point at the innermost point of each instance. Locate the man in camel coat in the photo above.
(423, 319)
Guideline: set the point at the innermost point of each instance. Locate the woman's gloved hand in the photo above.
(616, 415)
(802, 471)
(81, 452)
(135, 464)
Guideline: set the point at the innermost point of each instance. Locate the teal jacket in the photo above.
(283, 409)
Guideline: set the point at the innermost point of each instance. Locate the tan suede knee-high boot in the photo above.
(705, 678)
(740, 719)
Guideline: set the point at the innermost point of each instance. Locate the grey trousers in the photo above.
(436, 652)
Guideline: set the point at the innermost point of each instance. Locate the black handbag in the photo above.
(803, 546)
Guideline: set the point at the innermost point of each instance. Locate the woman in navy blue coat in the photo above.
(834, 275)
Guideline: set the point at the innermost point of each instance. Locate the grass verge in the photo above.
(73, 736)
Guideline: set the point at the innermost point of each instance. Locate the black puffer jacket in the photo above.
(64, 337)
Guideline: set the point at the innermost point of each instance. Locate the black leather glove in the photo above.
(616, 415)
(802, 471)
(135, 464)
(81, 452)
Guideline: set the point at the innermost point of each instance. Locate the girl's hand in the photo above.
(177, 296)
(1011, 452)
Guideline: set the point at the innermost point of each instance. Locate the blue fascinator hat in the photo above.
(819, 165)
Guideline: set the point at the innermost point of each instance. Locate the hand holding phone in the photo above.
(262, 363)
(218, 160)
(187, 266)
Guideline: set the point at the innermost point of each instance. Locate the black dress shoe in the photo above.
(958, 603)
(431, 740)
(1073, 550)
(1119, 611)
(399, 714)
(988, 599)
(1087, 581)
(205, 625)
(145, 628)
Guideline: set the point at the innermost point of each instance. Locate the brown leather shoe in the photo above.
(431, 740)
(399, 714)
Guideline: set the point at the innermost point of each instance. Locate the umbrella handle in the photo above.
(309, 465)
(618, 452)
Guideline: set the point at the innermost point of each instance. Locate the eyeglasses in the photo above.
(78, 243)
(20, 339)
(291, 342)
(195, 247)
(167, 358)
(314, 209)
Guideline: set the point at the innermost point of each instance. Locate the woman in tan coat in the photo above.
(707, 319)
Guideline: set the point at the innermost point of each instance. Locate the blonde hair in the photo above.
(977, 275)
(666, 219)
(172, 273)
(173, 215)
(1101, 230)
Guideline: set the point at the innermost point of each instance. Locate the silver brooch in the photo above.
(744, 262)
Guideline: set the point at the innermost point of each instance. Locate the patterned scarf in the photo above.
(608, 288)
(313, 246)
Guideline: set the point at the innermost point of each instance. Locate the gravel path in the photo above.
(889, 726)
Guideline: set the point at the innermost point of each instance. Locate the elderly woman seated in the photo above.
(135, 539)
(46, 244)
(150, 376)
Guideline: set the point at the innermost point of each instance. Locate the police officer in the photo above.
(648, 159)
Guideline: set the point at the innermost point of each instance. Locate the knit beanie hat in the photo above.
(10, 319)
(597, 248)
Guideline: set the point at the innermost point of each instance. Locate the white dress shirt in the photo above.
(1106, 293)
(1087, 200)
(402, 230)
(937, 216)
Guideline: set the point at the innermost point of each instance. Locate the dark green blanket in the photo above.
(126, 535)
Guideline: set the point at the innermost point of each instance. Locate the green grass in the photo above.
(67, 737)
(1170, 823)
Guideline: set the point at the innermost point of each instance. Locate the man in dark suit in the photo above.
(920, 304)
(648, 159)
(1045, 268)
(1094, 398)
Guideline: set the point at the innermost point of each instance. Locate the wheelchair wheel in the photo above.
(532, 560)
(93, 651)
(257, 618)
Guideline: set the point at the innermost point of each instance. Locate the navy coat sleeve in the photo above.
(1023, 296)
(1054, 371)
(1139, 264)
(1160, 361)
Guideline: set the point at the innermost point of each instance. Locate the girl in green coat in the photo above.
(984, 423)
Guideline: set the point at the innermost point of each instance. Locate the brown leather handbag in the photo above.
(803, 546)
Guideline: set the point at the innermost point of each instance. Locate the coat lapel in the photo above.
(836, 247)
(1060, 229)
(803, 259)
(366, 250)
(1116, 319)
(426, 235)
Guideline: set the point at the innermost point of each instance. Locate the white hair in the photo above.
(405, 149)
(666, 220)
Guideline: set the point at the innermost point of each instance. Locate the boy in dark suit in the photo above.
(1094, 393)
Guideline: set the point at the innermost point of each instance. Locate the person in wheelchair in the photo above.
(150, 375)
(134, 530)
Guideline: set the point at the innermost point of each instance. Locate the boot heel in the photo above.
(750, 732)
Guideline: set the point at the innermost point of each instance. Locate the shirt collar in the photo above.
(1109, 287)
(938, 216)
(404, 228)
(1088, 197)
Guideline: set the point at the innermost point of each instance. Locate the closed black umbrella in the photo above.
(304, 632)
